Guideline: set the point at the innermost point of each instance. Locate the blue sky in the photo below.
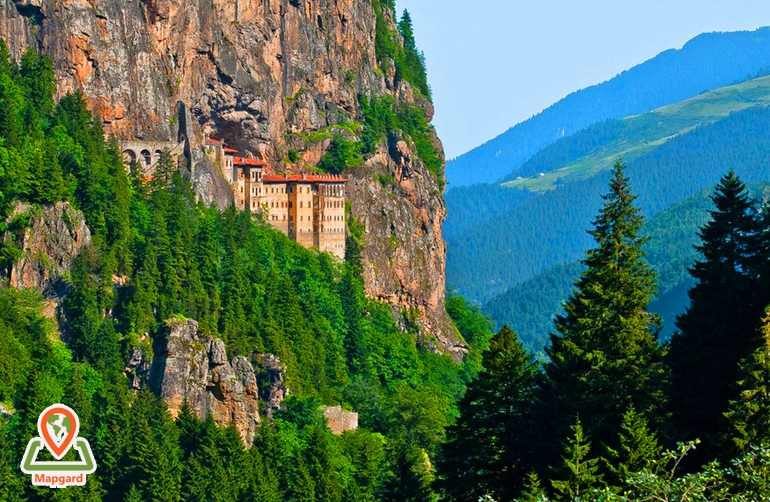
(494, 63)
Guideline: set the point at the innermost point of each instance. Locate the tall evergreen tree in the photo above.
(749, 413)
(639, 448)
(606, 357)
(488, 450)
(718, 330)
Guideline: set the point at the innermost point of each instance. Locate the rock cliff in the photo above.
(194, 369)
(259, 73)
(46, 240)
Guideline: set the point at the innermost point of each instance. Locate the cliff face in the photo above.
(194, 369)
(258, 73)
(50, 238)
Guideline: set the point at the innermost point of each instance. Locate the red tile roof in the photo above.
(212, 141)
(243, 161)
(309, 178)
(230, 150)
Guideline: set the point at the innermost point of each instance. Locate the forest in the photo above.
(536, 233)
(159, 254)
(612, 414)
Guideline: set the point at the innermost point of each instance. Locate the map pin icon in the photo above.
(58, 425)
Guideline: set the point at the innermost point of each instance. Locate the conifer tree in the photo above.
(606, 357)
(749, 413)
(487, 450)
(639, 447)
(533, 489)
(582, 472)
(412, 476)
(718, 330)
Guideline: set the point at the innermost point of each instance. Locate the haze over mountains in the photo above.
(706, 62)
(514, 247)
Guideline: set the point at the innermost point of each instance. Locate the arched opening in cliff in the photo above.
(129, 156)
(147, 157)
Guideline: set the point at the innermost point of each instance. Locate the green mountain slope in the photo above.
(529, 307)
(548, 229)
(706, 62)
(597, 147)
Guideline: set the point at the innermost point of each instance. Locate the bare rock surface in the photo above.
(194, 369)
(48, 239)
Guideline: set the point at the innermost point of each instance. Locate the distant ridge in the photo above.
(706, 62)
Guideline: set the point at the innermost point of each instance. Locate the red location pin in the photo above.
(58, 425)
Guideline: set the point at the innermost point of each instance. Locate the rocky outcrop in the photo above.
(338, 420)
(194, 369)
(259, 73)
(47, 239)
(405, 256)
(271, 375)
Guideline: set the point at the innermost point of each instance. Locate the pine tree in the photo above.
(412, 476)
(749, 413)
(606, 357)
(487, 450)
(533, 490)
(582, 472)
(718, 330)
(11, 482)
(639, 447)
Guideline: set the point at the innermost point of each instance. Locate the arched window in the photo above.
(129, 156)
(147, 157)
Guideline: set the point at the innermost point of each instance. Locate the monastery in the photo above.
(309, 208)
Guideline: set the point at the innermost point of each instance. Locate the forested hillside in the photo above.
(549, 229)
(530, 307)
(612, 414)
(596, 147)
(156, 255)
(706, 62)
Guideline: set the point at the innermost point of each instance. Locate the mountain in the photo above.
(276, 80)
(597, 147)
(530, 306)
(549, 228)
(208, 355)
(706, 62)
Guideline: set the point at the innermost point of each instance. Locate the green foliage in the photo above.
(383, 118)
(707, 62)
(490, 449)
(342, 155)
(244, 282)
(749, 413)
(542, 231)
(718, 330)
(606, 357)
(408, 61)
(639, 448)
(581, 471)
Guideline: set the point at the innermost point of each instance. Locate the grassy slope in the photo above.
(640, 134)
(706, 62)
